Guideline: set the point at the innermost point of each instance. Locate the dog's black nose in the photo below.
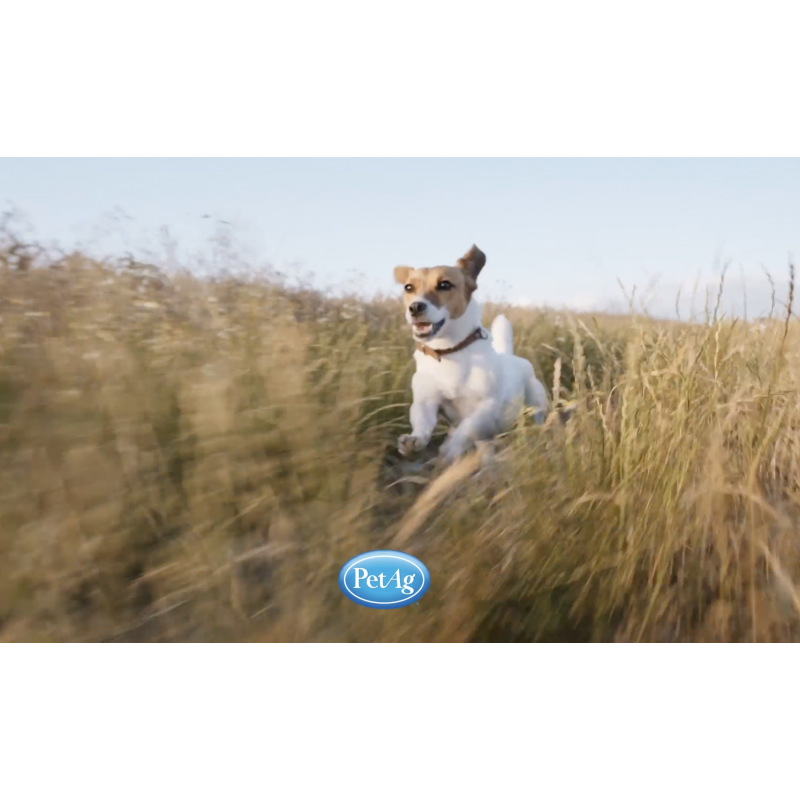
(417, 308)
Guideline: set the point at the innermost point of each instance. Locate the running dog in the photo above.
(469, 374)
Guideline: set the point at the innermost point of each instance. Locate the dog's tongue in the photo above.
(423, 327)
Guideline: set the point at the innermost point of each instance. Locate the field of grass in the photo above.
(193, 459)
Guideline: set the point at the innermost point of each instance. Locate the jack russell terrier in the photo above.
(470, 374)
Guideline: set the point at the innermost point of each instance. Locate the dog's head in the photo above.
(436, 295)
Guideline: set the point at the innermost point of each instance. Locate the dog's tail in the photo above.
(502, 337)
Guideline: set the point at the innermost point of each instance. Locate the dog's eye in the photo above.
(443, 286)
(409, 287)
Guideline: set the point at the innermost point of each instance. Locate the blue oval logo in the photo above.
(384, 579)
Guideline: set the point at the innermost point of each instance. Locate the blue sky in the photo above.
(555, 231)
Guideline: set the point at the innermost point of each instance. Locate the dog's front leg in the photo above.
(424, 414)
(481, 424)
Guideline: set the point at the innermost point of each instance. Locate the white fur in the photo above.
(480, 389)
(502, 337)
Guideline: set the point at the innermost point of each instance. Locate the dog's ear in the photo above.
(472, 263)
(401, 274)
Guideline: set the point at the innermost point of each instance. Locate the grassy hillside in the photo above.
(194, 459)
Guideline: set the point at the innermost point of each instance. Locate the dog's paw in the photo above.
(450, 451)
(408, 445)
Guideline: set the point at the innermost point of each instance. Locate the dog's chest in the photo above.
(461, 384)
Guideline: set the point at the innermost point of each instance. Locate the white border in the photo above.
(486, 721)
(432, 78)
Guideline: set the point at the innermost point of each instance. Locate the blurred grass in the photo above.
(187, 459)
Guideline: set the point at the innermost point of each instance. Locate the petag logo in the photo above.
(384, 579)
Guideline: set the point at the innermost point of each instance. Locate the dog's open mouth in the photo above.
(426, 330)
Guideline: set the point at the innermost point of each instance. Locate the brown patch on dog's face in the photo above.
(443, 287)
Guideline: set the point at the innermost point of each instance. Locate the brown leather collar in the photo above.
(478, 333)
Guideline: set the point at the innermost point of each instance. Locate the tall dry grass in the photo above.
(194, 459)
